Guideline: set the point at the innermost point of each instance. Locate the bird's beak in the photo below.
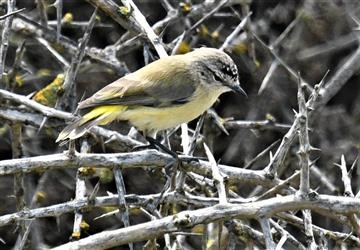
(236, 87)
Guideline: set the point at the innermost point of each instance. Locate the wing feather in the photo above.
(148, 86)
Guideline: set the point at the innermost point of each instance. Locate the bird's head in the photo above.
(216, 69)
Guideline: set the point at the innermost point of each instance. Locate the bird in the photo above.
(161, 95)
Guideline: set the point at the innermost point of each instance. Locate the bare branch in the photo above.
(265, 225)
(6, 26)
(235, 32)
(12, 13)
(68, 99)
(183, 219)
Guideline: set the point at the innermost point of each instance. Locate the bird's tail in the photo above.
(98, 116)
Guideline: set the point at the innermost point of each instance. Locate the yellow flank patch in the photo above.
(108, 113)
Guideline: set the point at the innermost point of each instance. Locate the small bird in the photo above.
(161, 95)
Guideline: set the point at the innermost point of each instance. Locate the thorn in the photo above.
(261, 154)
(343, 162)
(111, 139)
(322, 81)
(311, 163)
(353, 165)
(109, 193)
(337, 164)
(355, 19)
(94, 192)
(43, 122)
(314, 149)
(107, 214)
(310, 108)
(220, 121)
(223, 129)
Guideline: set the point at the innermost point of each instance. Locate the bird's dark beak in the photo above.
(236, 87)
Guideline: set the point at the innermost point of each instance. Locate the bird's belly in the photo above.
(149, 118)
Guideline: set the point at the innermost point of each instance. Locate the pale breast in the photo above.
(149, 118)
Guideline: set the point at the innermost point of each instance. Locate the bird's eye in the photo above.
(217, 78)
(202, 73)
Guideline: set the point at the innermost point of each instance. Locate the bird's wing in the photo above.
(148, 91)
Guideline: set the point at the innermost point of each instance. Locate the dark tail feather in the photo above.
(77, 129)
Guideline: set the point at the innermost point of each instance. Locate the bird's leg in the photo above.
(155, 144)
(143, 134)
(150, 136)
(158, 144)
